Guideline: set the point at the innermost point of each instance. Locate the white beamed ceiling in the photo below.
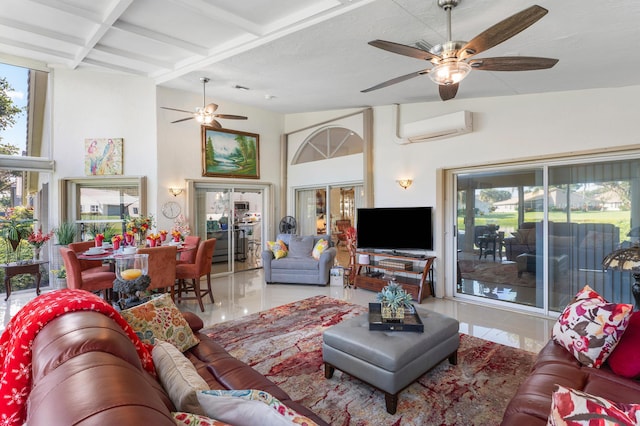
(313, 55)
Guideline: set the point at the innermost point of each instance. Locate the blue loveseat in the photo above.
(299, 267)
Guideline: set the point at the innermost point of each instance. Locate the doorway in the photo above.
(234, 216)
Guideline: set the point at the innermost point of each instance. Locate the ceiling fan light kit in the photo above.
(206, 115)
(451, 59)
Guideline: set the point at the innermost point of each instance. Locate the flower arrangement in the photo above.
(140, 226)
(176, 235)
(163, 234)
(181, 225)
(37, 239)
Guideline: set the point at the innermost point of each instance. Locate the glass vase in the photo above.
(36, 253)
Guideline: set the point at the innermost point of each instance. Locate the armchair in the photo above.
(299, 267)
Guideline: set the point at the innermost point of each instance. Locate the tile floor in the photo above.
(245, 292)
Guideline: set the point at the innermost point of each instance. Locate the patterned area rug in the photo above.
(285, 344)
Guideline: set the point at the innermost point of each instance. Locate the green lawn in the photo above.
(509, 221)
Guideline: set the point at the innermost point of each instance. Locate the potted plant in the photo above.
(17, 226)
(65, 233)
(393, 301)
(60, 277)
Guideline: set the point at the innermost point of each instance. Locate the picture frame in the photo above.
(230, 153)
(103, 156)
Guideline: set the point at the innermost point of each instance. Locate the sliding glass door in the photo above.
(234, 216)
(536, 234)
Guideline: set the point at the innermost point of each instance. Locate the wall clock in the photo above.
(171, 209)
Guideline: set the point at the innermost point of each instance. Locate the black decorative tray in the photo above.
(411, 322)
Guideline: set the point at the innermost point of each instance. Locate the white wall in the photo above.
(88, 104)
(505, 128)
(180, 144)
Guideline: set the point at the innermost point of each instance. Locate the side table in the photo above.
(31, 267)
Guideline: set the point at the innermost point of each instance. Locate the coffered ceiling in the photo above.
(307, 55)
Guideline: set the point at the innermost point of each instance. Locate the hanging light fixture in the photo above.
(204, 115)
(449, 73)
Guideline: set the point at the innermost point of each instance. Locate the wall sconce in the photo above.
(404, 183)
(175, 191)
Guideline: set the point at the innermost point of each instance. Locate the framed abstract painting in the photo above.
(230, 153)
(103, 156)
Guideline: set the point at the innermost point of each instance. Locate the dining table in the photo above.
(109, 255)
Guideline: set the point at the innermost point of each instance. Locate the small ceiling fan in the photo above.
(206, 114)
(451, 59)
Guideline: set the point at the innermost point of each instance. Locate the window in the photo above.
(329, 142)
(99, 205)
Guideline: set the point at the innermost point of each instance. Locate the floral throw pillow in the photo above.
(573, 407)
(319, 248)
(189, 419)
(160, 319)
(250, 407)
(278, 248)
(590, 327)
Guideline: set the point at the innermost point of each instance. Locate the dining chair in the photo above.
(195, 271)
(189, 256)
(81, 247)
(161, 267)
(92, 279)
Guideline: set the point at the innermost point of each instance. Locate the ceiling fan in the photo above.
(451, 59)
(206, 114)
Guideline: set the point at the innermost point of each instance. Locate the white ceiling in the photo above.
(313, 55)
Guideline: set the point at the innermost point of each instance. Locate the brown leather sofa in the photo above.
(86, 372)
(532, 403)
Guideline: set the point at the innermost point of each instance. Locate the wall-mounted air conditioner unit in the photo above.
(441, 127)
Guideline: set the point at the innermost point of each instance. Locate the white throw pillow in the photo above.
(179, 377)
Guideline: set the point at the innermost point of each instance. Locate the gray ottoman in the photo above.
(389, 360)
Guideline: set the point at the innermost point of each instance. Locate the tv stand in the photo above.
(413, 272)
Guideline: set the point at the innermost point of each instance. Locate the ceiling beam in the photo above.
(131, 55)
(23, 26)
(36, 48)
(161, 38)
(59, 5)
(202, 7)
(114, 67)
(212, 58)
(116, 11)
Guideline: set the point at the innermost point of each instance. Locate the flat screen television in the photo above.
(399, 228)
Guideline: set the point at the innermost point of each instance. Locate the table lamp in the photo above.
(626, 259)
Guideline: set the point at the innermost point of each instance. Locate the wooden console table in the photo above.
(31, 267)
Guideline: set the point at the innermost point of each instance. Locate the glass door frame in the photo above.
(232, 187)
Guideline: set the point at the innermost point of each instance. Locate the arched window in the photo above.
(328, 142)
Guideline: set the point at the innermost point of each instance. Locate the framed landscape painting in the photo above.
(230, 153)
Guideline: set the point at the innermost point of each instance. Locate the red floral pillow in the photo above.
(573, 407)
(625, 358)
(590, 327)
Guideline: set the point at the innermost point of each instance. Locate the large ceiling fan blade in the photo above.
(448, 91)
(216, 124)
(395, 80)
(231, 117)
(176, 109)
(502, 31)
(182, 119)
(512, 63)
(210, 108)
(402, 49)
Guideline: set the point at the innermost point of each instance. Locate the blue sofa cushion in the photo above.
(296, 263)
(300, 246)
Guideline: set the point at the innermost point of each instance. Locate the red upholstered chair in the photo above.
(81, 247)
(189, 256)
(93, 279)
(194, 271)
(162, 267)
